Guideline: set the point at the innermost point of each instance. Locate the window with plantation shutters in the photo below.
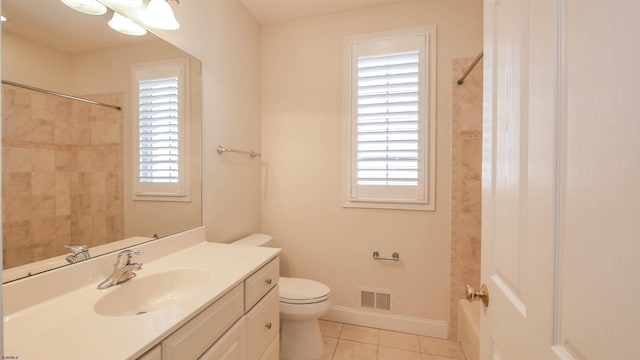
(387, 119)
(389, 108)
(160, 129)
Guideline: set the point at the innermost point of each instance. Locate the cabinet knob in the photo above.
(268, 281)
(268, 326)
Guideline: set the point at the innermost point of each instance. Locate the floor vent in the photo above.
(376, 299)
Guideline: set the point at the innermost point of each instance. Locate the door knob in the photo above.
(482, 294)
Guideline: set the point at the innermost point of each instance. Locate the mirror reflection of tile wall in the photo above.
(65, 169)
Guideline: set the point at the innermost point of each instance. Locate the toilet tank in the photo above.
(255, 240)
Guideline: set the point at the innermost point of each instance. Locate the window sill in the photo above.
(156, 197)
(389, 205)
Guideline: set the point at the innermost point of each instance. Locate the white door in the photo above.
(561, 180)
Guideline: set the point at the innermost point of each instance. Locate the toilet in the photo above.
(302, 302)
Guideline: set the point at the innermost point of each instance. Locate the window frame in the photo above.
(382, 197)
(180, 191)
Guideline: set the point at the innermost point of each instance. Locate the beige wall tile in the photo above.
(16, 184)
(43, 183)
(16, 208)
(43, 206)
(16, 159)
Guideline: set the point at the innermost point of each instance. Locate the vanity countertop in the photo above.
(66, 326)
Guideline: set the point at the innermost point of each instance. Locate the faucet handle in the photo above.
(76, 249)
(124, 256)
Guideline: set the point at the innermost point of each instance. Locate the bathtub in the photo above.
(469, 328)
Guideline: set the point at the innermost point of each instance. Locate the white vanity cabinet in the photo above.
(231, 346)
(242, 325)
(263, 324)
(196, 336)
(262, 307)
(153, 354)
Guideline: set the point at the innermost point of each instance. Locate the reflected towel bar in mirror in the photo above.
(222, 149)
(394, 257)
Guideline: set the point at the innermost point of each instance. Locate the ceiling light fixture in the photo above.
(91, 7)
(2, 18)
(159, 15)
(126, 26)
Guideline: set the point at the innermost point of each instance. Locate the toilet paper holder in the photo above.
(394, 257)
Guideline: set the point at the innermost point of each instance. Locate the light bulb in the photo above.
(159, 15)
(91, 7)
(126, 26)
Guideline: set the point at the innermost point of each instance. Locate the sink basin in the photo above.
(146, 294)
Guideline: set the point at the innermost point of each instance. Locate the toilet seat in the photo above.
(302, 291)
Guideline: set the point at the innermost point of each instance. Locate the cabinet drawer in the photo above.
(195, 337)
(263, 324)
(260, 283)
(231, 346)
(273, 351)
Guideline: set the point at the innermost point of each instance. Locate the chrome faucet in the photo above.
(123, 269)
(78, 253)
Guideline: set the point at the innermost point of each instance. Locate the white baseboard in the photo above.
(401, 323)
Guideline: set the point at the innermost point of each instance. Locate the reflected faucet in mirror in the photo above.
(78, 253)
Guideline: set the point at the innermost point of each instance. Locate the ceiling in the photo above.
(53, 24)
(271, 11)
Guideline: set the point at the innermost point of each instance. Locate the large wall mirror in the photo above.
(71, 172)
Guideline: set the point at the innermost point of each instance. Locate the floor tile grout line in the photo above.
(378, 345)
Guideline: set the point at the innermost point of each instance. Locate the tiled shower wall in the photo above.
(466, 185)
(62, 174)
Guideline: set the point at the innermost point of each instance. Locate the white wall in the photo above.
(303, 156)
(26, 62)
(109, 70)
(226, 38)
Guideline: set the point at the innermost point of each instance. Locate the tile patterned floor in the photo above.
(350, 342)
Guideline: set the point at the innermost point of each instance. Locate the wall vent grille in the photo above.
(376, 299)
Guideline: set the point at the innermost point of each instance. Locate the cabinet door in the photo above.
(263, 324)
(196, 336)
(153, 354)
(273, 351)
(231, 346)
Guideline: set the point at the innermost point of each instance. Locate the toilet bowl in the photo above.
(302, 302)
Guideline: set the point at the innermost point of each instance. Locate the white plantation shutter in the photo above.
(390, 113)
(387, 143)
(158, 130)
(159, 117)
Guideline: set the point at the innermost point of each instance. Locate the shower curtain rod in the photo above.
(473, 64)
(60, 94)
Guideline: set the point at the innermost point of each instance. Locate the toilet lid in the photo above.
(302, 291)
